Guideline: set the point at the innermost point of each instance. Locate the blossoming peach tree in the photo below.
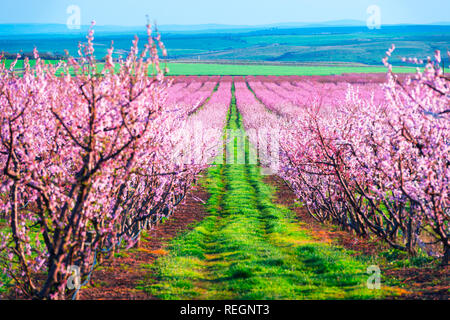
(81, 162)
(379, 168)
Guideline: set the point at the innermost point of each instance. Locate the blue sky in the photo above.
(237, 12)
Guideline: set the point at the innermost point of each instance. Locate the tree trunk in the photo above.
(446, 257)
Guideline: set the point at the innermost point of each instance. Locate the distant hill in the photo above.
(224, 27)
(59, 29)
(342, 42)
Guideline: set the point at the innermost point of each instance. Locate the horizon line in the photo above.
(305, 24)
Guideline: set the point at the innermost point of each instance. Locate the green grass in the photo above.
(4, 280)
(4, 283)
(200, 69)
(250, 248)
(264, 70)
(20, 63)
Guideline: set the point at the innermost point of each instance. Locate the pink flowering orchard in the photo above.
(86, 162)
(93, 155)
(373, 158)
(378, 167)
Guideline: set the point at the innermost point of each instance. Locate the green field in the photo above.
(202, 69)
(275, 70)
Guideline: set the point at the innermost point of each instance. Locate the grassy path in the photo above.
(250, 248)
